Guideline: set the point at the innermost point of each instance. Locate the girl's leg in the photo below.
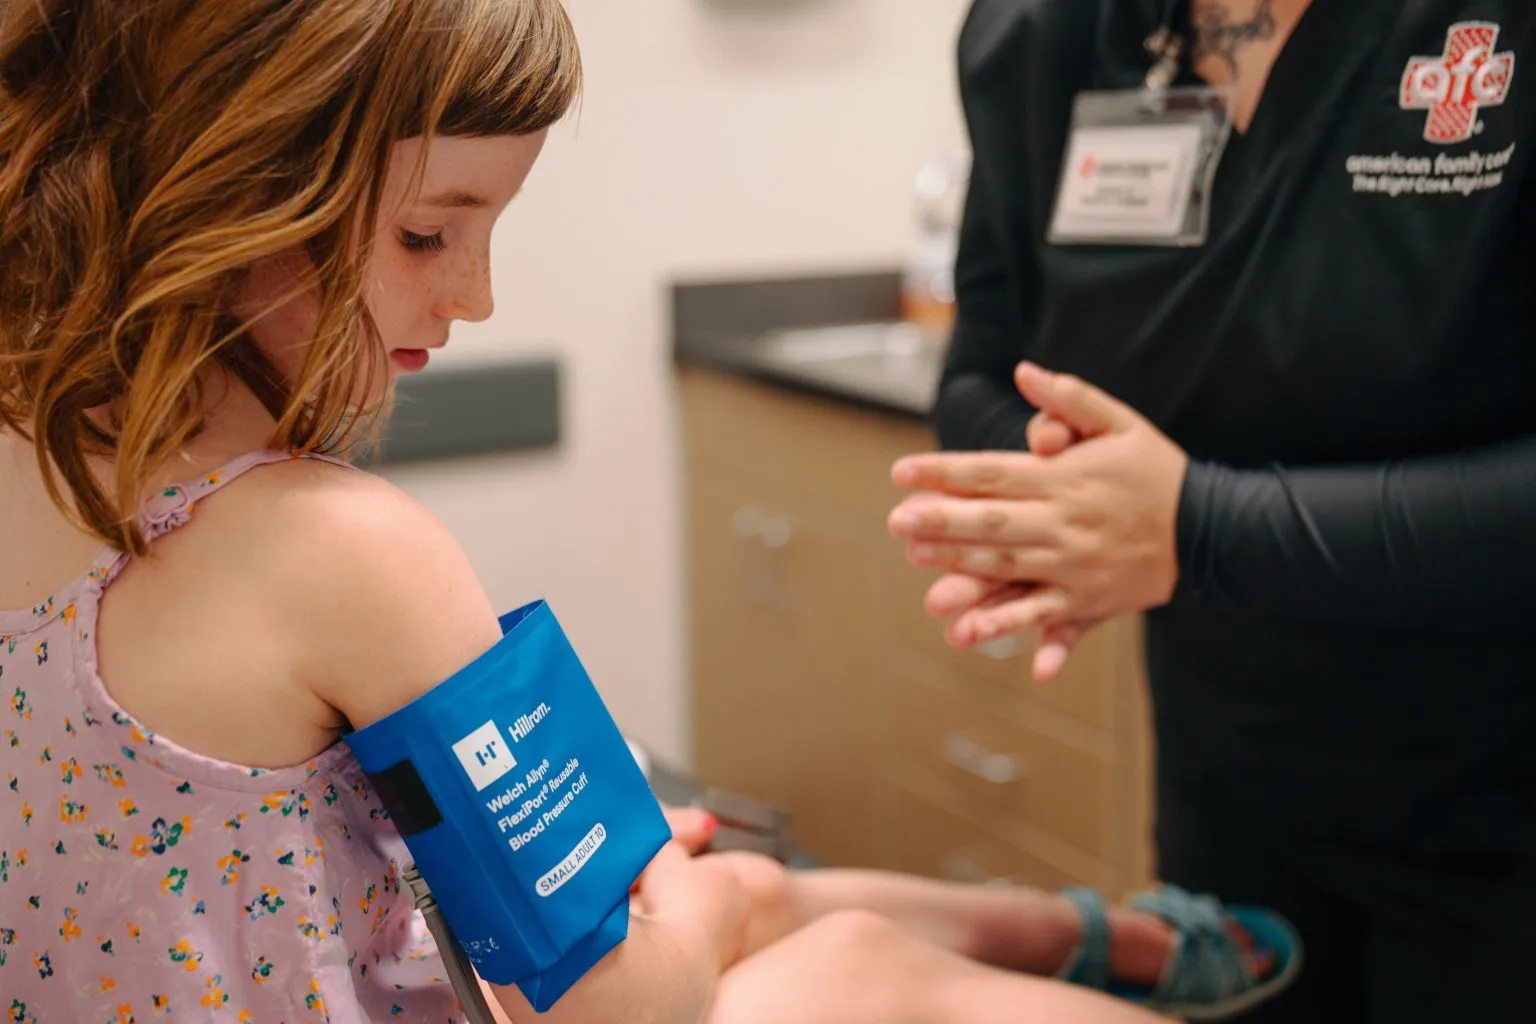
(857, 967)
(1024, 930)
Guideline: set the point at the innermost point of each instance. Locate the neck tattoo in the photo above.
(1220, 36)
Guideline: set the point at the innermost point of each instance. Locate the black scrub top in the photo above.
(1350, 361)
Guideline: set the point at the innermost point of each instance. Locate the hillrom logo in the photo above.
(1454, 86)
(484, 755)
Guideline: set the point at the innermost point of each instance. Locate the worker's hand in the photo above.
(970, 601)
(967, 601)
(1091, 529)
(1050, 435)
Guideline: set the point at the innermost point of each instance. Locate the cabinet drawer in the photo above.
(1002, 763)
(839, 455)
(740, 647)
(927, 839)
(1086, 687)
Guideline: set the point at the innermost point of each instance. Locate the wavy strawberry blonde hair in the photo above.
(151, 151)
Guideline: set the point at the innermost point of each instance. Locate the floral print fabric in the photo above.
(139, 880)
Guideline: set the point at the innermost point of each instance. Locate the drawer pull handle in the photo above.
(752, 523)
(971, 757)
(958, 867)
(774, 532)
(747, 522)
(1000, 648)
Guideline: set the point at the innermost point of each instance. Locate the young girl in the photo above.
(226, 226)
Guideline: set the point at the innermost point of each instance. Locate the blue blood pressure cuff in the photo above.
(523, 808)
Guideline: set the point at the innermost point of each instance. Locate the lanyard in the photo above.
(1166, 47)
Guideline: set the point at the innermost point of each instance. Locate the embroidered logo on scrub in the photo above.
(1455, 85)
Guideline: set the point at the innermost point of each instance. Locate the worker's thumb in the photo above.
(1088, 411)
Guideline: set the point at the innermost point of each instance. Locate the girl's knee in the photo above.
(847, 967)
(774, 907)
(868, 945)
(768, 884)
(881, 972)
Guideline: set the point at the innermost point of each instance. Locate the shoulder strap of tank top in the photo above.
(173, 506)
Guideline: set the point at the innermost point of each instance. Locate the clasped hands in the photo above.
(1077, 530)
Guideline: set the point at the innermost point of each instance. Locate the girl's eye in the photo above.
(422, 243)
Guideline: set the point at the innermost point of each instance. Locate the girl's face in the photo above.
(431, 259)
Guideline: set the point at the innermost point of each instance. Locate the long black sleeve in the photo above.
(978, 407)
(1418, 541)
(1017, 59)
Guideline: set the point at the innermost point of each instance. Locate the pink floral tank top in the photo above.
(139, 880)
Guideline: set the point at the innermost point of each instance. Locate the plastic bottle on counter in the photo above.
(928, 281)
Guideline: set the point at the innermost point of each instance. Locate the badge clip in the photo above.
(1166, 48)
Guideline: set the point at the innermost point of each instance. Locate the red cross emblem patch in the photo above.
(1455, 85)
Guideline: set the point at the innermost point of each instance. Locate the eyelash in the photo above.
(422, 243)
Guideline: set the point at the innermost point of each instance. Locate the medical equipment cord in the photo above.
(465, 984)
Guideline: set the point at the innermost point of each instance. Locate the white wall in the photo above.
(716, 137)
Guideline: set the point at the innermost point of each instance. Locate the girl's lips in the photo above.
(411, 360)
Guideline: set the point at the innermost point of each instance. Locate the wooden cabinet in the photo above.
(820, 684)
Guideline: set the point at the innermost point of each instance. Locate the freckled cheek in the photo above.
(399, 297)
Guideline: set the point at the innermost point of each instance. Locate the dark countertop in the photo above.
(834, 335)
(678, 790)
(672, 787)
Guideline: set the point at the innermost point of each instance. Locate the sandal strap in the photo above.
(1088, 965)
(1206, 977)
(1206, 966)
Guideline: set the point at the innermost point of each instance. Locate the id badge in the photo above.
(1139, 167)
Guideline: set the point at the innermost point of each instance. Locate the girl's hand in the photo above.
(700, 899)
(692, 827)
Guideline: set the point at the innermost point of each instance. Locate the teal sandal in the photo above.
(1206, 977)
